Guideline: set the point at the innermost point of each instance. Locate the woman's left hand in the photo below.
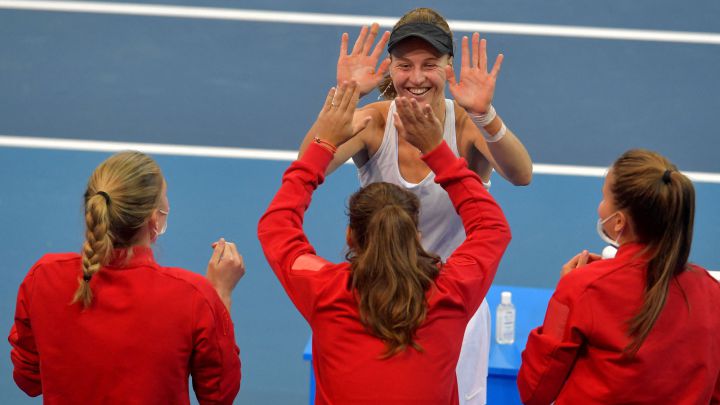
(474, 92)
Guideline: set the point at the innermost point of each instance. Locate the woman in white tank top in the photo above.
(420, 63)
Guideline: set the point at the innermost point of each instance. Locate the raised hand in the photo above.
(359, 65)
(334, 124)
(476, 87)
(225, 268)
(418, 125)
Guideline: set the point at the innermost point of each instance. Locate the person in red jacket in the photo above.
(387, 324)
(641, 328)
(110, 325)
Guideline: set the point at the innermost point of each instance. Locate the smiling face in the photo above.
(417, 71)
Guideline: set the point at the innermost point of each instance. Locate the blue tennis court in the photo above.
(248, 86)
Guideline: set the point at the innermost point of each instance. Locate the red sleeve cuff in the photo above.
(318, 157)
(438, 158)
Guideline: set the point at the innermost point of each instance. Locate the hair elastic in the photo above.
(105, 195)
(666, 176)
(87, 277)
(327, 145)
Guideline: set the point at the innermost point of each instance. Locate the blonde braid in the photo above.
(98, 246)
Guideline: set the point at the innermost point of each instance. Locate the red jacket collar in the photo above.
(138, 256)
(633, 251)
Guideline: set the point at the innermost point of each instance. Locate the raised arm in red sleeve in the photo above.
(473, 265)
(280, 228)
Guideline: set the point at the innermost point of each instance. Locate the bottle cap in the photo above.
(505, 297)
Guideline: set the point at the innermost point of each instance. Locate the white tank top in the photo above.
(441, 228)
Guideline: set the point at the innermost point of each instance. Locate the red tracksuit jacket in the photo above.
(576, 357)
(346, 357)
(148, 329)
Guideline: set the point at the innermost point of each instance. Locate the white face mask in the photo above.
(603, 235)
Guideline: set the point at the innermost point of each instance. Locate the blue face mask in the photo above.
(603, 235)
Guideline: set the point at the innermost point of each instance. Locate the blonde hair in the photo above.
(121, 194)
(391, 272)
(417, 15)
(661, 204)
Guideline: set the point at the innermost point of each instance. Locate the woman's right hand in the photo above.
(359, 65)
(418, 125)
(225, 269)
(334, 124)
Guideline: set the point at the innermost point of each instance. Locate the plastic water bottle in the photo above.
(505, 320)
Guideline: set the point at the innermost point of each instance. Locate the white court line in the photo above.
(358, 20)
(150, 148)
(264, 154)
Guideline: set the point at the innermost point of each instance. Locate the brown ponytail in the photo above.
(661, 204)
(418, 15)
(391, 272)
(121, 194)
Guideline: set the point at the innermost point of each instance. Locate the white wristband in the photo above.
(494, 138)
(482, 120)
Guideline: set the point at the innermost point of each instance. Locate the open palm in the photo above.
(359, 65)
(476, 87)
